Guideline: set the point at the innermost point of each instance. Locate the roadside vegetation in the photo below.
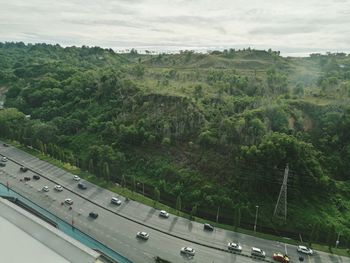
(201, 133)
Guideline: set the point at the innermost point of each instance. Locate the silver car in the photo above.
(164, 213)
(188, 251)
(58, 188)
(116, 201)
(143, 235)
(305, 250)
(234, 247)
(257, 252)
(68, 201)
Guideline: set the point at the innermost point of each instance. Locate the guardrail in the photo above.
(138, 222)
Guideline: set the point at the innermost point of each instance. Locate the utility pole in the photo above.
(256, 217)
(281, 205)
(217, 214)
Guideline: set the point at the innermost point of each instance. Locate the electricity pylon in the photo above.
(281, 205)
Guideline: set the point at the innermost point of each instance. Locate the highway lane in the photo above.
(118, 233)
(174, 225)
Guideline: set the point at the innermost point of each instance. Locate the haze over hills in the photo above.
(209, 130)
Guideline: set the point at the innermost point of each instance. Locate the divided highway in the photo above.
(116, 226)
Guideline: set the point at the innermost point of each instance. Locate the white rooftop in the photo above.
(25, 238)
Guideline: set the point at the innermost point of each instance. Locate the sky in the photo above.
(294, 27)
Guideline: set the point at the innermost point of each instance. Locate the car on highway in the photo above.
(257, 252)
(68, 201)
(116, 201)
(5, 145)
(45, 188)
(76, 178)
(82, 186)
(142, 235)
(2, 164)
(36, 177)
(23, 169)
(58, 188)
(305, 250)
(3, 159)
(208, 227)
(93, 215)
(234, 247)
(188, 251)
(26, 178)
(279, 257)
(163, 213)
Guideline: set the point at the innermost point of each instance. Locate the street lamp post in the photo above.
(337, 242)
(256, 217)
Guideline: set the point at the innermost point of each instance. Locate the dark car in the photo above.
(26, 178)
(2, 164)
(82, 186)
(5, 145)
(36, 177)
(93, 215)
(208, 227)
(23, 169)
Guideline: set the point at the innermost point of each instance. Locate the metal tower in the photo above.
(281, 205)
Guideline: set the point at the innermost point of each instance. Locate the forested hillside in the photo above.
(211, 130)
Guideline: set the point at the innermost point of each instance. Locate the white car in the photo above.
(116, 201)
(234, 247)
(164, 213)
(188, 251)
(46, 188)
(58, 188)
(142, 235)
(257, 252)
(68, 201)
(305, 250)
(76, 178)
(3, 159)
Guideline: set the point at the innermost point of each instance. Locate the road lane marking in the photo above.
(285, 249)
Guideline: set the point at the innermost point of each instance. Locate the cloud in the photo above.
(284, 30)
(287, 25)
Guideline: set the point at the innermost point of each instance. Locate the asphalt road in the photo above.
(167, 236)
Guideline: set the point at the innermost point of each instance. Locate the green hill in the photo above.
(215, 130)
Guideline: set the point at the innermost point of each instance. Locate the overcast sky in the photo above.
(294, 27)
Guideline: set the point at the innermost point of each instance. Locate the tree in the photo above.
(314, 234)
(237, 218)
(133, 183)
(198, 92)
(105, 172)
(178, 202)
(138, 70)
(331, 237)
(156, 193)
(123, 181)
(91, 166)
(193, 212)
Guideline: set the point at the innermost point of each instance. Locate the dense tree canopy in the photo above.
(200, 130)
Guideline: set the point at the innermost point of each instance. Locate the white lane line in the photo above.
(285, 249)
